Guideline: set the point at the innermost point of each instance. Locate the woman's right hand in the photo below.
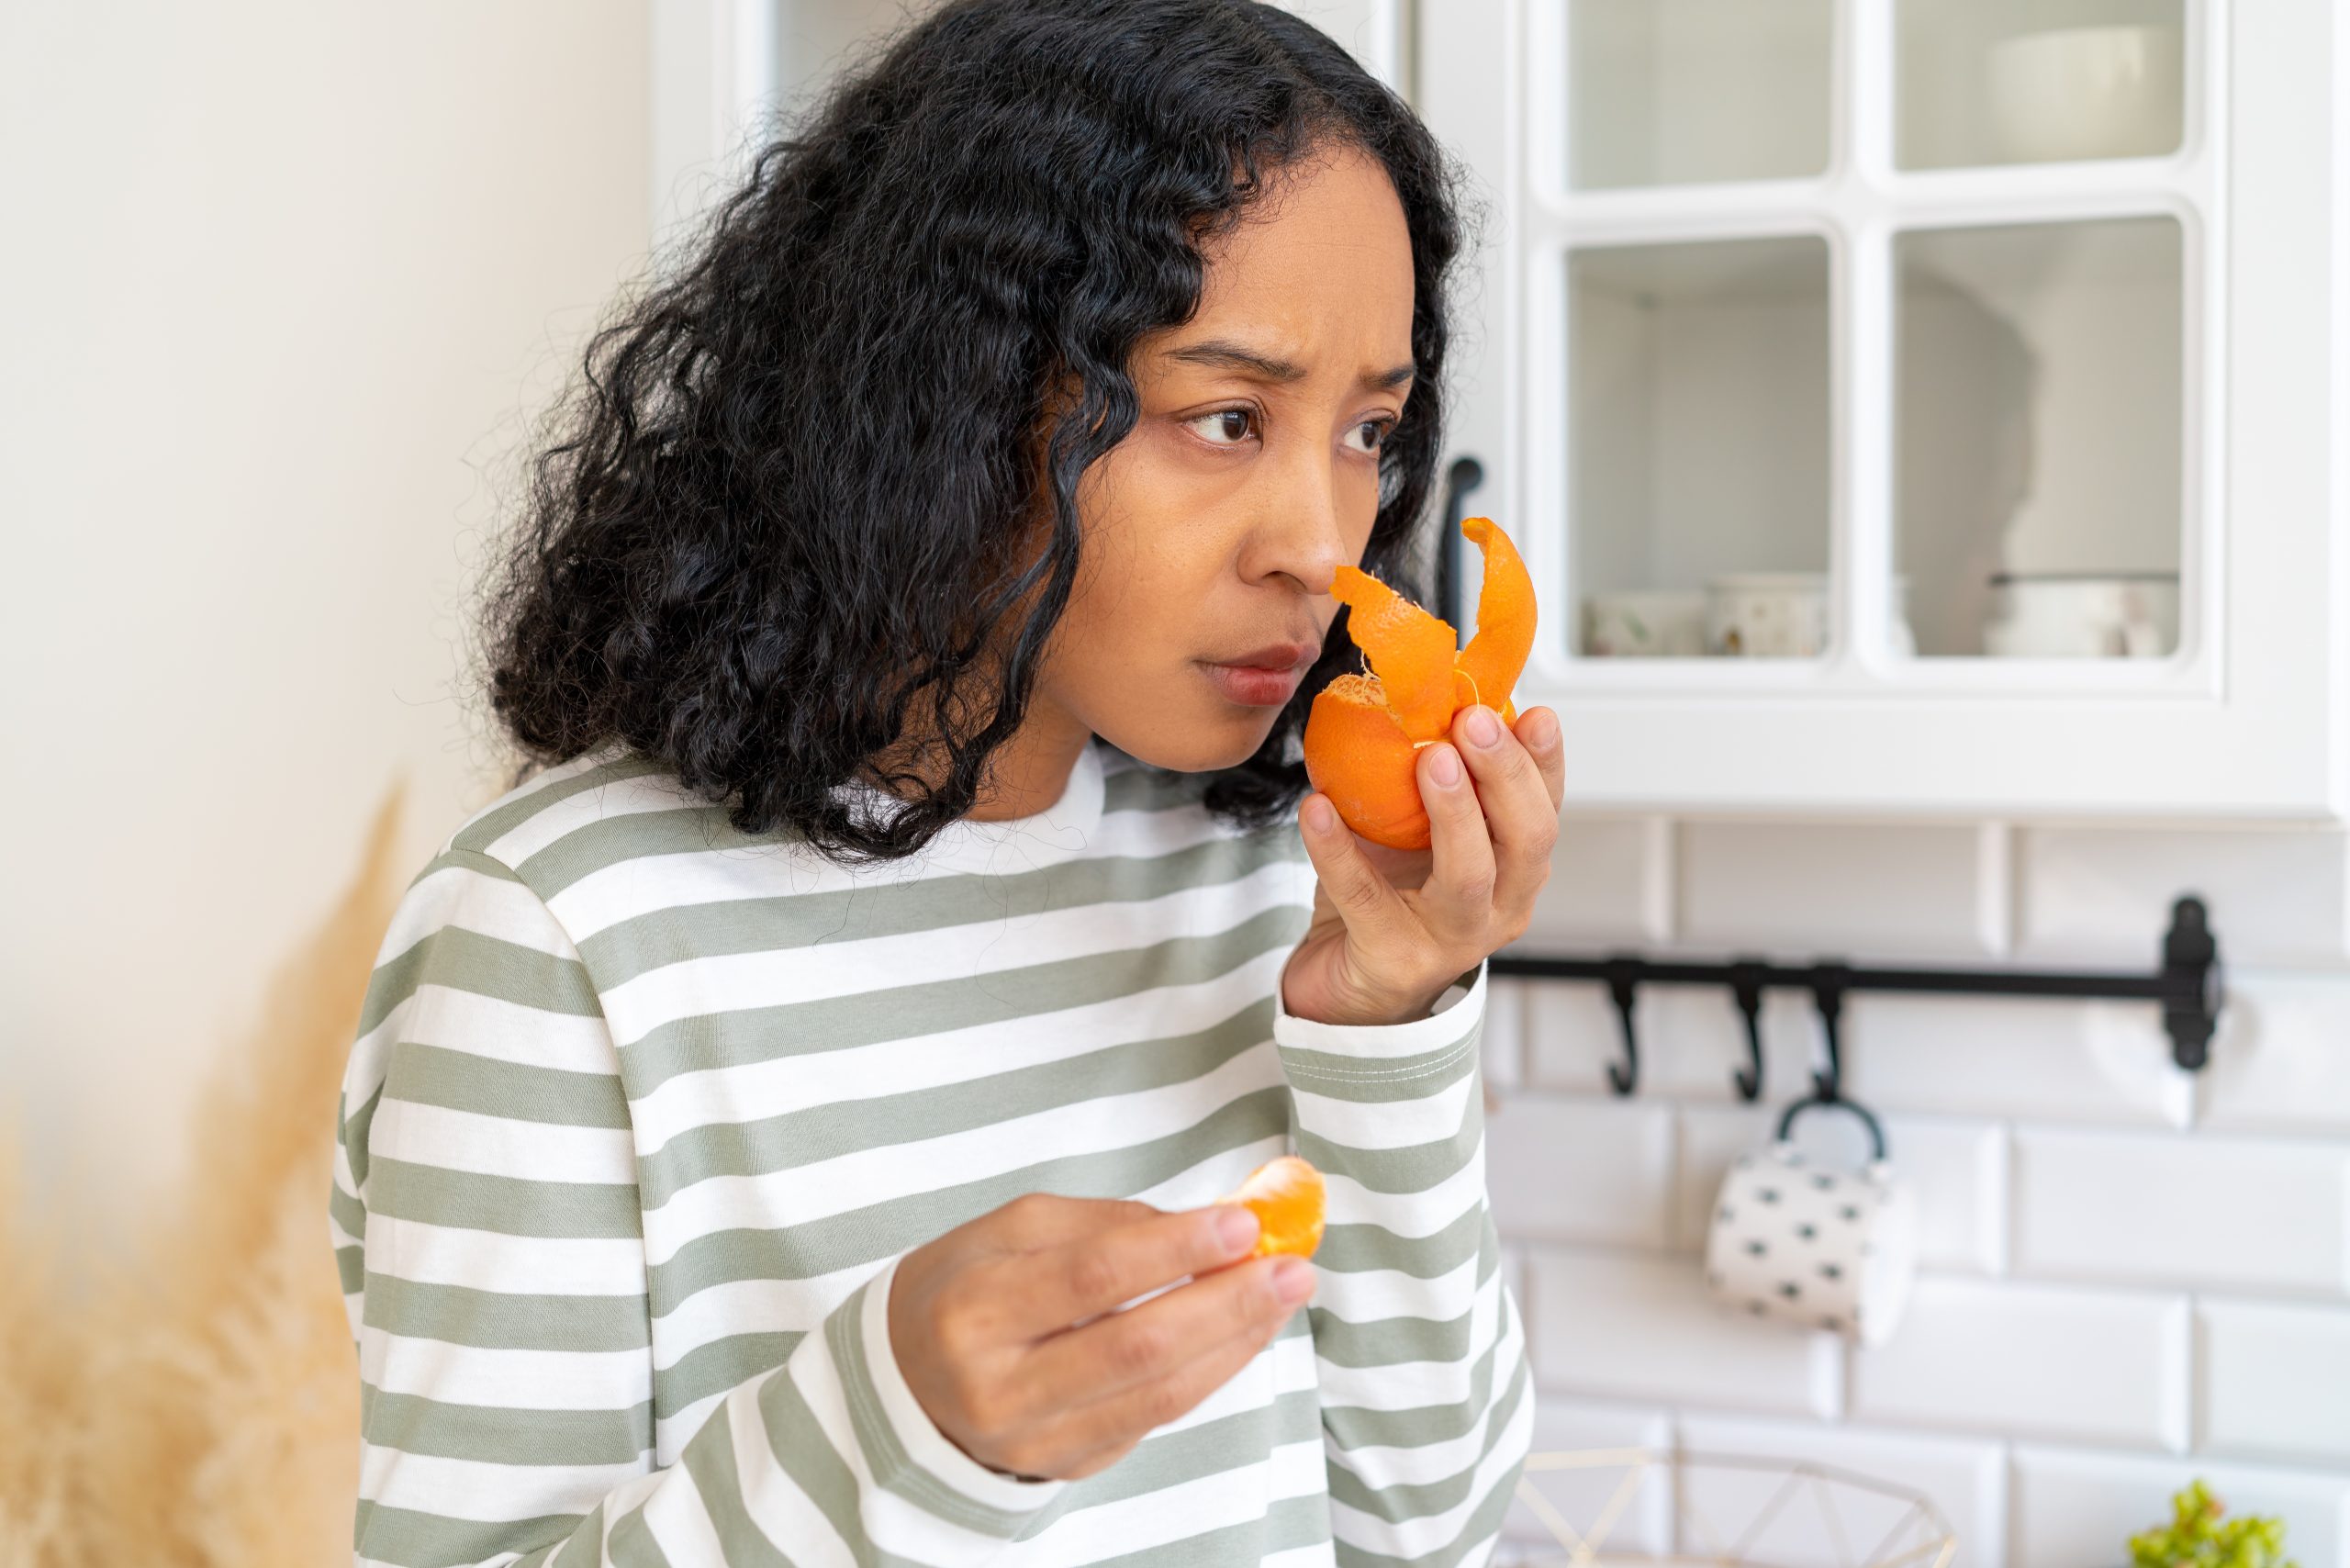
(1007, 1328)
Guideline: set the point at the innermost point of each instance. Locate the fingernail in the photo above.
(1445, 764)
(1237, 1228)
(1546, 731)
(1319, 816)
(1292, 1281)
(1482, 729)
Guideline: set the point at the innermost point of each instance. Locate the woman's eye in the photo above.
(1373, 431)
(1226, 427)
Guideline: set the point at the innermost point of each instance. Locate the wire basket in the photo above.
(1669, 1505)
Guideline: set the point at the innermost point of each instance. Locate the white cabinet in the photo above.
(1914, 405)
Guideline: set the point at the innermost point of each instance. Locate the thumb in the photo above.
(1364, 898)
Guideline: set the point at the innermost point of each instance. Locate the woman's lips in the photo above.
(1256, 685)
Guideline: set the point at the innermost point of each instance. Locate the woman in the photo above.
(785, 1127)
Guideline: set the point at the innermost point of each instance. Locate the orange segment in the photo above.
(1285, 1195)
(1410, 651)
(1495, 656)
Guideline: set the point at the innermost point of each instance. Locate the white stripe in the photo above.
(475, 1144)
(506, 1380)
(788, 1518)
(480, 1492)
(429, 1254)
(865, 1177)
(601, 802)
(1374, 1126)
(874, 965)
(966, 1054)
(461, 897)
(1412, 1215)
(1428, 1532)
(494, 1029)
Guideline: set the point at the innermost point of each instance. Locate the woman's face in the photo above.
(1213, 531)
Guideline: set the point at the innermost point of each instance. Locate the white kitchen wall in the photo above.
(284, 281)
(2133, 1275)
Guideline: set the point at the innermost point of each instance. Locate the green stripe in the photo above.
(435, 1075)
(1389, 1341)
(1142, 786)
(1360, 1248)
(495, 824)
(460, 959)
(1409, 1169)
(354, 1134)
(506, 1206)
(416, 1540)
(495, 1435)
(882, 1230)
(632, 1544)
(464, 860)
(789, 922)
(349, 1213)
(827, 1131)
(1483, 1521)
(709, 1459)
(719, 1367)
(351, 1265)
(491, 1320)
(706, 1042)
(797, 1440)
(1382, 1081)
(884, 1456)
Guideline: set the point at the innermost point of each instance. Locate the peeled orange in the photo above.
(1364, 732)
(1285, 1195)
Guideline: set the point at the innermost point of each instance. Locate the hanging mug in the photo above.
(1819, 1248)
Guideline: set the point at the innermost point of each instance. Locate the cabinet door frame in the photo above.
(2243, 723)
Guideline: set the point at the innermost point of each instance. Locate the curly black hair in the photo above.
(802, 488)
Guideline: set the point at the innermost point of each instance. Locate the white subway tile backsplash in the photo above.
(1960, 1168)
(2074, 1507)
(1641, 1328)
(2276, 895)
(1562, 1168)
(2282, 1060)
(1502, 1037)
(1605, 877)
(1857, 892)
(2276, 1380)
(2074, 1062)
(1713, 1138)
(1582, 1494)
(2100, 1366)
(1966, 1479)
(2167, 1208)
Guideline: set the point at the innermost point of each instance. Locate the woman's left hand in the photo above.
(1392, 929)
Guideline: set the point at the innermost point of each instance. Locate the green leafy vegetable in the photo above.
(2197, 1538)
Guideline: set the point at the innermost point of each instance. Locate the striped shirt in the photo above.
(643, 1111)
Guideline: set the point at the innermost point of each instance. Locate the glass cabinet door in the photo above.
(1854, 368)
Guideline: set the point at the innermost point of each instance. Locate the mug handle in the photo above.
(1877, 1133)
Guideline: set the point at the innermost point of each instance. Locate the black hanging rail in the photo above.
(2188, 986)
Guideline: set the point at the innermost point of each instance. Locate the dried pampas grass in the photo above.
(202, 1407)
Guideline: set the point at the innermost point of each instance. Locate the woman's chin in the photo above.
(1207, 744)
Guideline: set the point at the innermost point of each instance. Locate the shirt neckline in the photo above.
(1062, 831)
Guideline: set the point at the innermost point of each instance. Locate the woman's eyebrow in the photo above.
(1219, 354)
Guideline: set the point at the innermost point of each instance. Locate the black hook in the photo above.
(1746, 979)
(1828, 984)
(1465, 475)
(2192, 985)
(1623, 987)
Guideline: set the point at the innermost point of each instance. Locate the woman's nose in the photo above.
(1307, 532)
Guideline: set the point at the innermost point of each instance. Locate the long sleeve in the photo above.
(1426, 1408)
(485, 1215)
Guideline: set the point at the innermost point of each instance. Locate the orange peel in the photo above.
(1364, 732)
(1285, 1195)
